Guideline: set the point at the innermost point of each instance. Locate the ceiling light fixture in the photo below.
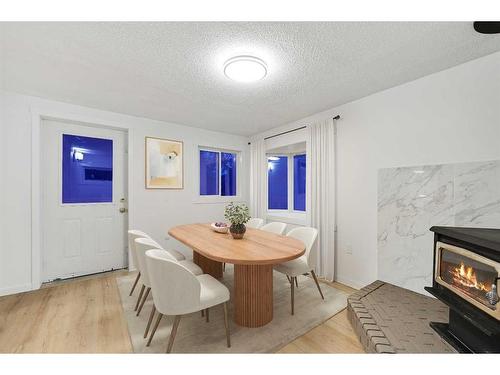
(245, 69)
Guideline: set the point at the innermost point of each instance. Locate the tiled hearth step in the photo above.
(390, 319)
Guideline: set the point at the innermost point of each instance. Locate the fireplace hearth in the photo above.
(466, 276)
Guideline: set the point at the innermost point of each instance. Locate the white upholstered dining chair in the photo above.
(177, 291)
(305, 263)
(274, 227)
(255, 223)
(140, 234)
(142, 245)
(133, 234)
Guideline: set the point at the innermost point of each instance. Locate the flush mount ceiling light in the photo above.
(245, 69)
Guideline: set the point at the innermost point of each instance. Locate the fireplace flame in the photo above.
(466, 276)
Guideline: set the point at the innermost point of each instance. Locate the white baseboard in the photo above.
(15, 289)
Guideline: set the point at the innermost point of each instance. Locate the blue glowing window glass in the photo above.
(277, 178)
(209, 173)
(87, 169)
(228, 174)
(299, 182)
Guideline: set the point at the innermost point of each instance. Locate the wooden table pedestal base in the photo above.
(253, 295)
(209, 266)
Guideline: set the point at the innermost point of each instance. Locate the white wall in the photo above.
(448, 117)
(153, 211)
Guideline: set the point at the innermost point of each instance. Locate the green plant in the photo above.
(237, 214)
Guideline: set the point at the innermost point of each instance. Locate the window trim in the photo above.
(218, 198)
(290, 212)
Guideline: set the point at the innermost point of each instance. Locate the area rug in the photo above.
(195, 335)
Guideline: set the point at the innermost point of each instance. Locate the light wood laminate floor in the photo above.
(78, 316)
(85, 315)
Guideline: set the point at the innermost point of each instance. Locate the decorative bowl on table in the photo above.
(219, 227)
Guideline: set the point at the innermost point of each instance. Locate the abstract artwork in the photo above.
(164, 164)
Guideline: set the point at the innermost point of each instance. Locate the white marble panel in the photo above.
(477, 194)
(413, 199)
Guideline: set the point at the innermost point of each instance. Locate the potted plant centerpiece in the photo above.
(237, 215)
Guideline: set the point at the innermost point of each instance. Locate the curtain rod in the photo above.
(293, 130)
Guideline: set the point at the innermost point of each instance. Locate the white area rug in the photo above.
(194, 335)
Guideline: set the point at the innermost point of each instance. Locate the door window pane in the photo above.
(299, 182)
(87, 169)
(277, 175)
(209, 173)
(228, 174)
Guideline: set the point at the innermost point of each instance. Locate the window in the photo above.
(87, 169)
(209, 173)
(286, 181)
(218, 173)
(228, 174)
(299, 182)
(277, 182)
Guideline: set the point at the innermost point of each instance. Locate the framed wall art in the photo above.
(164, 164)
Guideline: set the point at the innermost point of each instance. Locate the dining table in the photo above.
(253, 257)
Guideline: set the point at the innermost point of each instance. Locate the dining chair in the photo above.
(132, 235)
(274, 227)
(140, 234)
(177, 292)
(144, 244)
(305, 263)
(255, 223)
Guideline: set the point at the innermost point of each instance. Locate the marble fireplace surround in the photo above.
(412, 199)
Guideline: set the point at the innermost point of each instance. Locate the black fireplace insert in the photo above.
(466, 278)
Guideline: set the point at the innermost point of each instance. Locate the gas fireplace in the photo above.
(466, 278)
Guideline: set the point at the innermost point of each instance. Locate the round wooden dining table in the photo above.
(253, 258)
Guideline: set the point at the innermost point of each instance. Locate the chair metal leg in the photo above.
(153, 310)
(292, 290)
(140, 296)
(206, 314)
(143, 300)
(223, 267)
(135, 283)
(289, 280)
(173, 332)
(296, 282)
(226, 324)
(154, 329)
(317, 284)
(202, 313)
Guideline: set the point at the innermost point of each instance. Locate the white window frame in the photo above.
(219, 198)
(291, 214)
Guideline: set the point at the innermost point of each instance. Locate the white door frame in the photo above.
(37, 117)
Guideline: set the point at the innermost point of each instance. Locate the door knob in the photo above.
(123, 210)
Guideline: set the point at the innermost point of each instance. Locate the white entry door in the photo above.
(83, 200)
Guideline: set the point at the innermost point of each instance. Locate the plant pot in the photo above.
(237, 231)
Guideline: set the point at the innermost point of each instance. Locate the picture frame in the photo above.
(164, 163)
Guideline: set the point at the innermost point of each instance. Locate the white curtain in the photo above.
(258, 176)
(322, 186)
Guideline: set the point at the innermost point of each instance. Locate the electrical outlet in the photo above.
(348, 249)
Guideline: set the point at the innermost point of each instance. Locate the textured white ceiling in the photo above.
(173, 71)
